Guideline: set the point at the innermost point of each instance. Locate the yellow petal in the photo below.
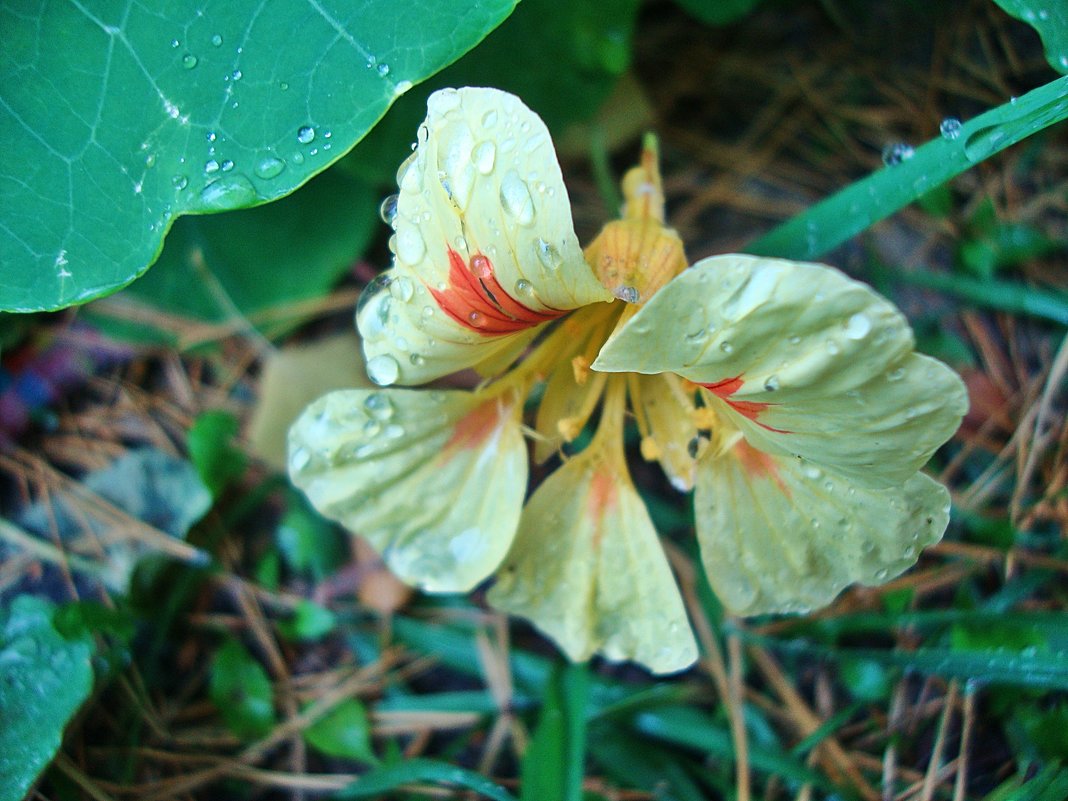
(485, 248)
(434, 480)
(587, 569)
(778, 534)
(668, 412)
(803, 359)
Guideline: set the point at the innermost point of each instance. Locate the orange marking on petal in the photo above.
(603, 493)
(476, 300)
(758, 464)
(748, 409)
(475, 427)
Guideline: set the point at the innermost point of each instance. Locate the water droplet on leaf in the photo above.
(189, 61)
(270, 167)
(217, 40)
(305, 134)
(897, 152)
(950, 128)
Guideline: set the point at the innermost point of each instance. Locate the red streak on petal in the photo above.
(748, 409)
(476, 300)
(603, 492)
(758, 464)
(475, 427)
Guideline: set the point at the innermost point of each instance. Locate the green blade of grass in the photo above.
(1006, 296)
(848, 212)
(420, 771)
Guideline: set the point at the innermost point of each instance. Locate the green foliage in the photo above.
(241, 690)
(118, 118)
(44, 679)
(990, 245)
(344, 731)
(553, 763)
(414, 771)
(255, 264)
(588, 41)
(310, 622)
(308, 543)
(1050, 19)
(719, 12)
(213, 453)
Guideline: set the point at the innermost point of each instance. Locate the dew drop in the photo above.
(726, 347)
(387, 210)
(950, 128)
(299, 459)
(283, 86)
(627, 294)
(417, 360)
(410, 245)
(896, 374)
(228, 192)
(189, 61)
(832, 347)
(476, 319)
(217, 40)
(858, 326)
(211, 166)
(305, 134)
(394, 431)
(795, 340)
(524, 287)
(270, 167)
(180, 182)
(378, 406)
(236, 75)
(515, 198)
(484, 156)
(227, 165)
(211, 136)
(461, 243)
(383, 370)
(371, 429)
(481, 266)
(548, 255)
(896, 153)
(489, 119)
(401, 88)
(175, 43)
(402, 289)
(374, 286)
(882, 573)
(382, 69)
(772, 383)
(297, 158)
(697, 336)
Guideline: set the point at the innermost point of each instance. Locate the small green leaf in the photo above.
(44, 679)
(993, 248)
(345, 731)
(212, 451)
(1050, 19)
(718, 12)
(309, 543)
(118, 118)
(241, 690)
(390, 777)
(310, 622)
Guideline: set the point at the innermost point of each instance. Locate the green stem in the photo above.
(848, 212)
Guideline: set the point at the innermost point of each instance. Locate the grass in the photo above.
(948, 683)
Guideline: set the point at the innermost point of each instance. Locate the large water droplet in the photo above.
(524, 287)
(484, 156)
(897, 152)
(227, 165)
(950, 128)
(548, 255)
(189, 61)
(402, 289)
(858, 326)
(410, 245)
(387, 210)
(180, 182)
(378, 406)
(217, 40)
(211, 166)
(627, 294)
(372, 290)
(236, 75)
(228, 192)
(270, 167)
(383, 370)
(515, 198)
(305, 134)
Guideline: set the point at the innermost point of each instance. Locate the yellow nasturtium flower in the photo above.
(786, 394)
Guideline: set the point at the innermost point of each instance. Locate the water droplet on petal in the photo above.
(772, 383)
(858, 326)
(726, 347)
(401, 289)
(189, 61)
(305, 134)
(410, 245)
(548, 255)
(299, 459)
(270, 167)
(383, 369)
(378, 406)
(896, 374)
(515, 198)
(417, 360)
(484, 156)
(489, 119)
(832, 347)
(387, 210)
(795, 340)
(627, 294)
(481, 266)
(950, 128)
(697, 336)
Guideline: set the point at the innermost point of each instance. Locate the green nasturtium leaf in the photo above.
(586, 40)
(241, 690)
(1050, 19)
(116, 118)
(252, 267)
(44, 678)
